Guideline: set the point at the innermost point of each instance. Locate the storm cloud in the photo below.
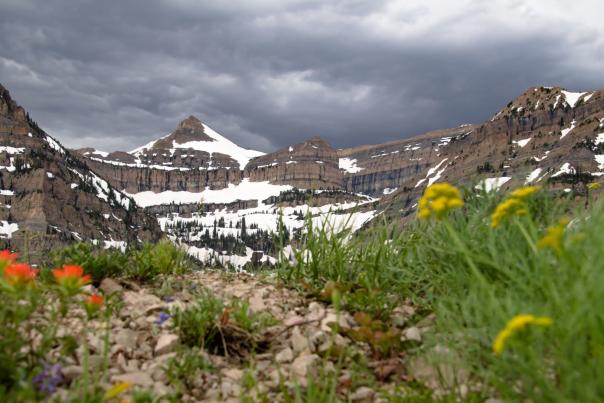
(268, 73)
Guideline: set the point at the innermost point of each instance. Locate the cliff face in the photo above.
(381, 169)
(312, 164)
(49, 197)
(546, 134)
(190, 159)
(509, 144)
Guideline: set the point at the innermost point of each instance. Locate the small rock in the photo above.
(166, 343)
(286, 355)
(257, 303)
(298, 341)
(72, 372)
(302, 365)
(134, 378)
(234, 374)
(126, 338)
(361, 394)
(110, 286)
(291, 321)
(413, 333)
(331, 319)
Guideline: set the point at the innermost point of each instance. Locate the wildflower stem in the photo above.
(526, 235)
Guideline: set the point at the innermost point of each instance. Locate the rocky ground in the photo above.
(303, 350)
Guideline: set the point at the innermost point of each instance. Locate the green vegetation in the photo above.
(222, 329)
(142, 264)
(526, 270)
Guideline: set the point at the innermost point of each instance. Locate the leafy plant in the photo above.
(155, 259)
(99, 263)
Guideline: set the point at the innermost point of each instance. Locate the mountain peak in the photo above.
(192, 122)
(189, 129)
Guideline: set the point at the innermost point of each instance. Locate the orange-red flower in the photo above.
(20, 274)
(95, 300)
(7, 256)
(71, 277)
(93, 303)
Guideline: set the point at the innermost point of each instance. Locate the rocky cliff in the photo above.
(312, 164)
(545, 135)
(49, 197)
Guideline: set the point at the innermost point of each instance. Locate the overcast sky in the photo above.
(268, 73)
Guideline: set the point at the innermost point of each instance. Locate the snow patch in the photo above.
(522, 143)
(568, 129)
(429, 175)
(54, 145)
(492, 184)
(572, 97)
(566, 168)
(245, 190)
(533, 175)
(349, 165)
(11, 150)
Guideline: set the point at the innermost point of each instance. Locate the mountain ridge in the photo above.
(545, 134)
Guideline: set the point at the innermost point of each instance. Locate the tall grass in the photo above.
(476, 278)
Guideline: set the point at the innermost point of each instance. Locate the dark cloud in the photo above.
(268, 73)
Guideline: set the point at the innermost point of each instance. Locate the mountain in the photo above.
(225, 202)
(546, 135)
(50, 197)
(225, 199)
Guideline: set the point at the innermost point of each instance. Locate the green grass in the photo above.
(476, 278)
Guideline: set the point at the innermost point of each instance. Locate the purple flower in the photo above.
(163, 316)
(48, 380)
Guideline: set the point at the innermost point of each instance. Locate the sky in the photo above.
(268, 73)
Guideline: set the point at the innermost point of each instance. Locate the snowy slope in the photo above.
(220, 144)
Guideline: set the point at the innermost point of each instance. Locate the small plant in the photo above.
(220, 329)
(384, 340)
(155, 259)
(185, 367)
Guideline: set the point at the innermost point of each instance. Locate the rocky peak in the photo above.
(537, 100)
(190, 129)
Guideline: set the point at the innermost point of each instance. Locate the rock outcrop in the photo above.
(312, 164)
(50, 197)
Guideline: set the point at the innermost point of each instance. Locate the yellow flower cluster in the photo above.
(594, 186)
(553, 236)
(438, 199)
(514, 205)
(515, 324)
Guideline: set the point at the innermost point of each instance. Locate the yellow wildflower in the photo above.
(438, 199)
(594, 186)
(517, 323)
(116, 390)
(553, 237)
(523, 192)
(508, 208)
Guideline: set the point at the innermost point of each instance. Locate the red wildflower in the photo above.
(7, 256)
(71, 278)
(20, 274)
(95, 300)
